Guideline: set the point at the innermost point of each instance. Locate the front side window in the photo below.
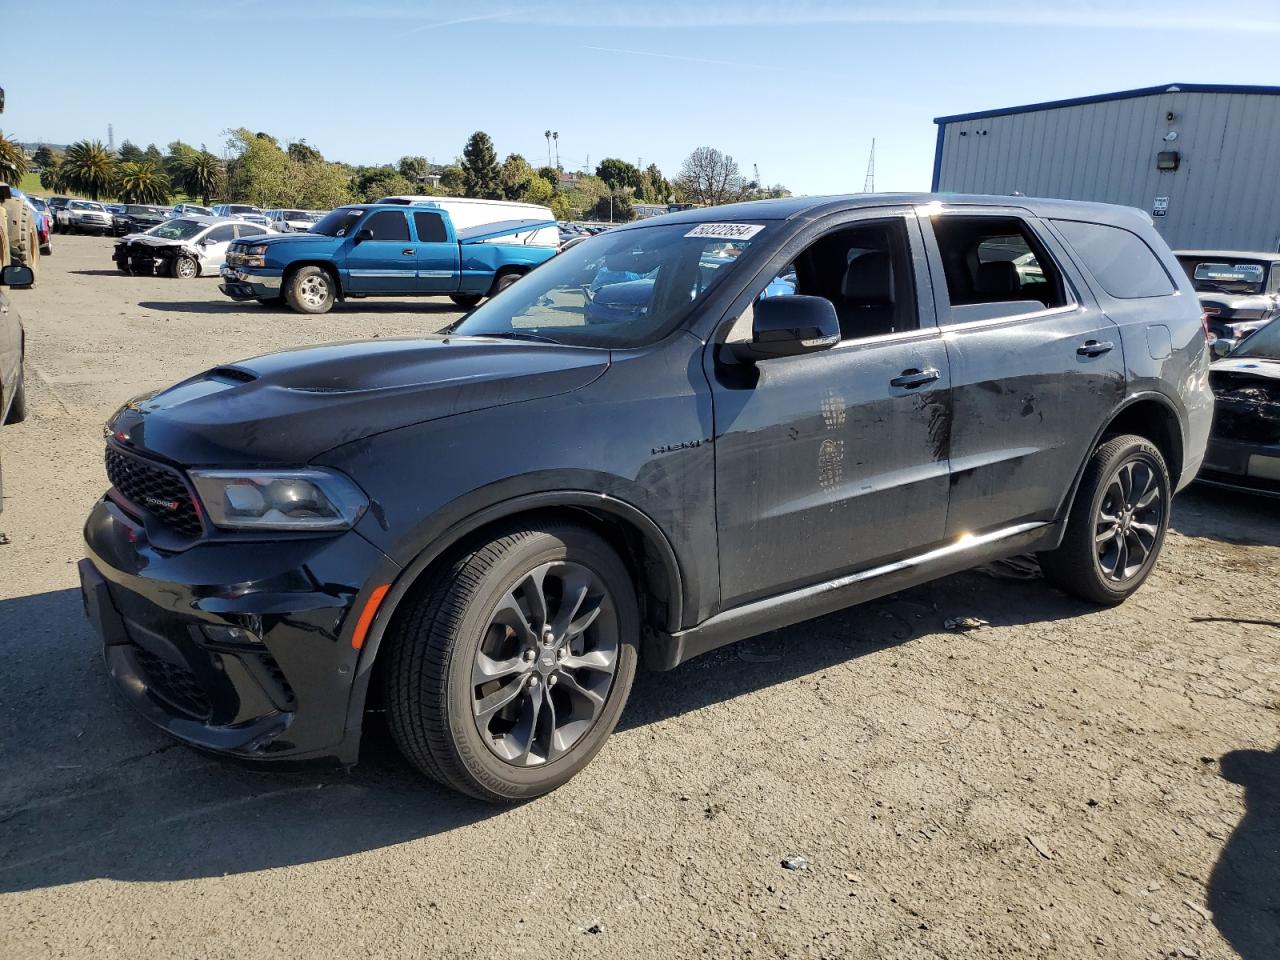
(1121, 261)
(621, 289)
(387, 225)
(991, 262)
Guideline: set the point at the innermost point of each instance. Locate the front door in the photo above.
(835, 462)
(213, 246)
(437, 255)
(385, 262)
(1036, 366)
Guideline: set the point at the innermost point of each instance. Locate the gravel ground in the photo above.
(1061, 782)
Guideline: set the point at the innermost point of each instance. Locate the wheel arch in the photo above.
(515, 269)
(640, 542)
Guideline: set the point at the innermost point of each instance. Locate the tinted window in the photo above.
(430, 227)
(221, 234)
(388, 225)
(1120, 261)
(996, 260)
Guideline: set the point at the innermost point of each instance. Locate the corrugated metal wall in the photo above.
(1225, 193)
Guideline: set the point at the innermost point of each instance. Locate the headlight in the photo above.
(279, 499)
(254, 256)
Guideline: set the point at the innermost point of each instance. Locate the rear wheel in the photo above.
(18, 408)
(309, 290)
(185, 268)
(509, 669)
(466, 300)
(504, 281)
(1117, 524)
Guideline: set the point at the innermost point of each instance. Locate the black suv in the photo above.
(137, 218)
(797, 405)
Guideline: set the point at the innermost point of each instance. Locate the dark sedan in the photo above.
(137, 218)
(1244, 447)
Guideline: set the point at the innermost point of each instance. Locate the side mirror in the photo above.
(363, 235)
(1221, 347)
(17, 275)
(788, 326)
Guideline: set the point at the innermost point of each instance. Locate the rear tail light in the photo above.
(1204, 323)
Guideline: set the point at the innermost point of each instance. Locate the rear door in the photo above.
(437, 254)
(1036, 366)
(834, 462)
(386, 262)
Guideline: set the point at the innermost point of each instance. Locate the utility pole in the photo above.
(869, 184)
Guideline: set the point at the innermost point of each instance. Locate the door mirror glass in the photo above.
(1221, 347)
(17, 275)
(362, 235)
(790, 325)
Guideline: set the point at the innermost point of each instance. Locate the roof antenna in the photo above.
(869, 184)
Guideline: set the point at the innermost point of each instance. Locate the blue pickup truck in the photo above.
(369, 250)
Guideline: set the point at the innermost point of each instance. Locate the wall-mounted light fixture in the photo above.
(1168, 160)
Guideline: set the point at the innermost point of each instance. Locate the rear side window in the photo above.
(221, 234)
(996, 266)
(430, 227)
(388, 225)
(1121, 261)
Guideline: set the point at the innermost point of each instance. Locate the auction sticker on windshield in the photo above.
(725, 231)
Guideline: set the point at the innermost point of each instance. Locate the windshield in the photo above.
(39, 204)
(133, 210)
(242, 208)
(1222, 276)
(297, 215)
(618, 289)
(338, 223)
(85, 205)
(1263, 344)
(176, 230)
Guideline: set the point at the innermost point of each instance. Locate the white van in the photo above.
(467, 212)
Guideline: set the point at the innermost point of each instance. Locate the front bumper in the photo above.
(1242, 465)
(240, 284)
(278, 691)
(144, 258)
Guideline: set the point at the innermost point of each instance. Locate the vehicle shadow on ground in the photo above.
(1244, 888)
(351, 306)
(1216, 514)
(98, 273)
(86, 797)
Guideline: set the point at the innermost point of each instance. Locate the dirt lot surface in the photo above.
(1062, 782)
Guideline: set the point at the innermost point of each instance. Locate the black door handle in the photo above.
(408, 251)
(1094, 348)
(910, 379)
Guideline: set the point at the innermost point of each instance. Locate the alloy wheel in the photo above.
(1129, 519)
(186, 268)
(545, 666)
(314, 291)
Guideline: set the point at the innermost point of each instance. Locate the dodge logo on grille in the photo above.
(159, 503)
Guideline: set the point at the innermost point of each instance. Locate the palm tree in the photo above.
(52, 176)
(90, 168)
(13, 162)
(141, 182)
(548, 136)
(202, 175)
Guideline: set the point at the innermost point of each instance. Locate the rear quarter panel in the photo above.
(480, 261)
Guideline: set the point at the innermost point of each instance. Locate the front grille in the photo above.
(176, 685)
(156, 490)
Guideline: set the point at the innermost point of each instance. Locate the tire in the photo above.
(18, 407)
(46, 250)
(184, 268)
(466, 300)
(504, 280)
(433, 702)
(310, 290)
(1104, 571)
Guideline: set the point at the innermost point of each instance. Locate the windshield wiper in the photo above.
(519, 335)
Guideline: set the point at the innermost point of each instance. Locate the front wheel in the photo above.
(507, 671)
(309, 290)
(1117, 524)
(465, 300)
(185, 268)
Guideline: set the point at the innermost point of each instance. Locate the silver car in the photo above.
(184, 248)
(85, 216)
(241, 211)
(293, 221)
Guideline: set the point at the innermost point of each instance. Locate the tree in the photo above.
(258, 173)
(614, 206)
(89, 168)
(152, 155)
(710, 177)
(45, 156)
(202, 175)
(139, 181)
(52, 177)
(516, 176)
(539, 191)
(654, 187)
(303, 152)
(374, 183)
(176, 158)
(320, 186)
(619, 174)
(414, 168)
(481, 175)
(549, 174)
(453, 180)
(13, 162)
(129, 152)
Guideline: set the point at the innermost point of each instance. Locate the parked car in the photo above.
(13, 394)
(485, 531)
(189, 210)
(185, 248)
(41, 207)
(242, 211)
(1244, 447)
(137, 218)
(56, 207)
(389, 250)
(85, 216)
(293, 221)
(1240, 292)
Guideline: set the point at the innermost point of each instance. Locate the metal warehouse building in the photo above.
(1204, 161)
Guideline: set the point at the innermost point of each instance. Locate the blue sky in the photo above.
(799, 88)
